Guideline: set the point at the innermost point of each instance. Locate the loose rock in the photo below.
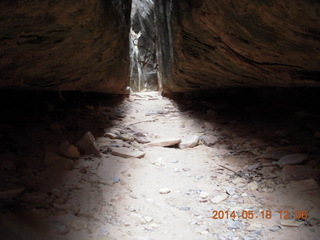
(219, 198)
(295, 173)
(68, 150)
(204, 195)
(164, 190)
(189, 142)
(142, 139)
(253, 186)
(303, 185)
(127, 153)
(111, 135)
(209, 140)
(234, 224)
(292, 159)
(165, 142)
(208, 125)
(62, 229)
(79, 224)
(184, 208)
(127, 137)
(87, 145)
(290, 223)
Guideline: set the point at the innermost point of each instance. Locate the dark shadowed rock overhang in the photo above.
(65, 45)
(201, 44)
(243, 43)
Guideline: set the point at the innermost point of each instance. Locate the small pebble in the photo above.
(234, 224)
(116, 179)
(184, 208)
(164, 190)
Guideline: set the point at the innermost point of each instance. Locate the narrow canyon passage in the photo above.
(159, 120)
(159, 169)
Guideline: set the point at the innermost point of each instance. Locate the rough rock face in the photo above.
(243, 43)
(65, 45)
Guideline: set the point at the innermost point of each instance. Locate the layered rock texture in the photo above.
(244, 43)
(65, 45)
(193, 44)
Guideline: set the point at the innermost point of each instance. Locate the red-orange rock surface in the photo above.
(65, 45)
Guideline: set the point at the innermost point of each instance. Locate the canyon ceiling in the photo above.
(200, 44)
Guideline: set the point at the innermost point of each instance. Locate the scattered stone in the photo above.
(152, 113)
(189, 142)
(290, 223)
(292, 159)
(61, 229)
(154, 226)
(303, 185)
(254, 227)
(219, 198)
(127, 153)
(296, 173)
(184, 208)
(165, 142)
(10, 193)
(208, 125)
(111, 135)
(164, 190)
(68, 150)
(204, 195)
(253, 186)
(234, 224)
(268, 172)
(148, 219)
(79, 224)
(105, 149)
(209, 140)
(275, 228)
(174, 161)
(133, 196)
(141, 139)
(253, 166)
(52, 159)
(116, 179)
(87, 145)
(127, 137)
(230, 190)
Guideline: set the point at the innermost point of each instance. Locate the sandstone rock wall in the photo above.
(65, 45)
(244, 43)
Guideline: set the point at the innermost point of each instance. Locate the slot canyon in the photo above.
(159, 120)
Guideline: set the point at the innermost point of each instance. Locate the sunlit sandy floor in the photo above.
(119, 198)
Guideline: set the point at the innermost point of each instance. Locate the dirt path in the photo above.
(171, 193)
